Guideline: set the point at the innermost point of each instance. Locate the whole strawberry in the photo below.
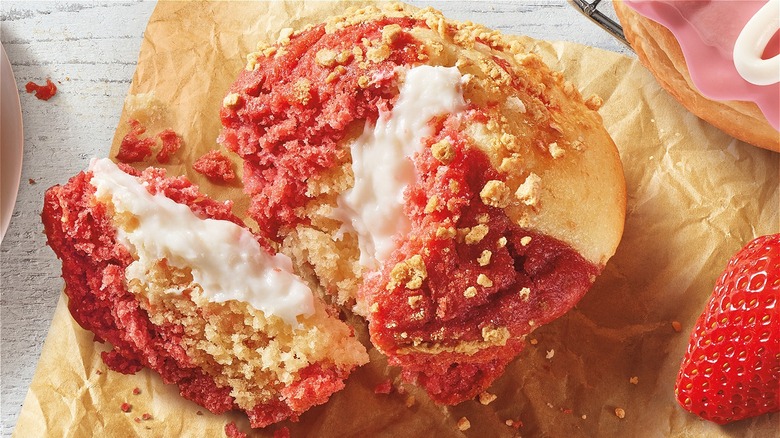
(732, 367)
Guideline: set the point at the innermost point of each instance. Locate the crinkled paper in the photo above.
(695, 196)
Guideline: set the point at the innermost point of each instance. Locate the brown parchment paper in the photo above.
(695, 196)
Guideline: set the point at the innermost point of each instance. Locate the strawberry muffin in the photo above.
(436, 175)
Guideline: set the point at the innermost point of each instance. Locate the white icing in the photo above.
(382, 160)
(224, 258)
(752, 42)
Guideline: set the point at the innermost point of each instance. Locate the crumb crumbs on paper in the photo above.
(464, 424)
(677, 326)
(32, 181)
(215, 166)
(620, 413)
(136, 146)
(584, 417)
(133, 148)
(517, 424)
(171, 143)
(550, 354)
(283, 432)
(385, 387)
(487, 398)
(533, 341)
(634, 380)
(231, 430)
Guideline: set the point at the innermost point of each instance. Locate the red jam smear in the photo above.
(82, 234)
(42, 92)
(285, 141)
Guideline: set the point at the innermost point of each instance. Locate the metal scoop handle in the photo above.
(589, 9)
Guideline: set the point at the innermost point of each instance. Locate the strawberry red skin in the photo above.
(731, 368)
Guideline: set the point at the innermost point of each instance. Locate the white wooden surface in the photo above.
(90, 50)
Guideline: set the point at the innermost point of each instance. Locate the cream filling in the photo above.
(382, 160)
(224, 258)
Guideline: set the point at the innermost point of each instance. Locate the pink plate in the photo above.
(11, 142)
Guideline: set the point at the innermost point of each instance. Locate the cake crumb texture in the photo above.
(223, 356)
